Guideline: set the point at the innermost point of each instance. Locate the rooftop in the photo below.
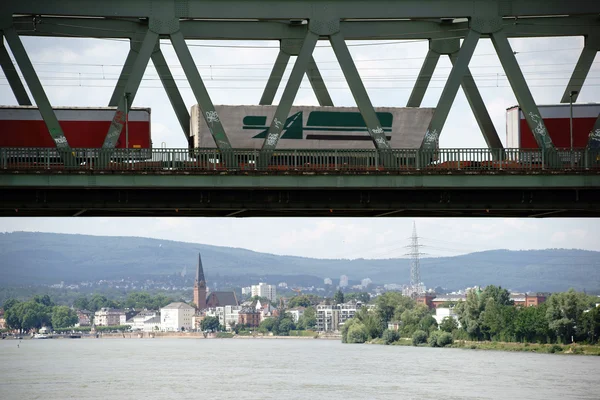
(178, 306)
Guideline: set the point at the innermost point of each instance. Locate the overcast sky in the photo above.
(82, 72)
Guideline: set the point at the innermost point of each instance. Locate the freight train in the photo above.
(22, 128)
(557, 119)
(312, 128)
(309, 128)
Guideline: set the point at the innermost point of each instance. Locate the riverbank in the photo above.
(573, 348)
(201, 335)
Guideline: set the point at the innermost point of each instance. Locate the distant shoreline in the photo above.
(194, 335)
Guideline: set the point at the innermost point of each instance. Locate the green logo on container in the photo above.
(320, 125)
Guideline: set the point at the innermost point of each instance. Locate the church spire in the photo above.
(200, 270)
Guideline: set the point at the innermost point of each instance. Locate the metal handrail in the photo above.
(360, 160)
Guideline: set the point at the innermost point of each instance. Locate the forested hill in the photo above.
(42, 258)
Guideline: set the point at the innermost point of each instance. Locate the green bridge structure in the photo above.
(426, 181)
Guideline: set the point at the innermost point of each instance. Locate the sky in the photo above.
(82, 72)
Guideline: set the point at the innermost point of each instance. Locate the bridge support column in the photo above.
(274, 81)
(291, 47)
(38, 93)
(361, 97)
(12, 76)
(425, 74)
(173, 93)
(133, 83)
(289, 94)
(318, 84)
(202, 97)
(486, 125)
(451, 47)
(523, 95)
(459, 69)
(119, 90)
(582, 68)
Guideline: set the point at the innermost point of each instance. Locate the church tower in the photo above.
(200, 286)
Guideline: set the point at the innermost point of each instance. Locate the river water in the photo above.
(283, 369)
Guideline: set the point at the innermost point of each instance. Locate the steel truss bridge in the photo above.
(541, 185)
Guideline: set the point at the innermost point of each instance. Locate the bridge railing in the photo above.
(299, 160)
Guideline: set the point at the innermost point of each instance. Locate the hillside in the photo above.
(42, 258)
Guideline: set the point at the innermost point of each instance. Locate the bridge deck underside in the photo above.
(454, 195)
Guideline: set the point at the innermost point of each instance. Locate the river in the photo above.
(279, 369)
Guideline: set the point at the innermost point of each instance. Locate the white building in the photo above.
(152, 324)
(282, 285)
(109, 317)
(246, 290)
(366, 282)
(137, 322)
(228, 315)
(296, 313)
(343, 281)
(443, 312)
(264, 290)
(176, 316)
(327, 281)
(330, 318)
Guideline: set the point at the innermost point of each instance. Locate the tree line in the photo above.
(41, 310)
(484, 315)
(38, 312)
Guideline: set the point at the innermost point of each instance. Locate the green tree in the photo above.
(391, 305)
(267, 325)
(33, 315)
(12, 314)
(99, 301)
(390, 336)
(210, 324)
(449, 324)
(299, 301)
(563, 312)
(418, 318)
(346, 327)
(63, 317)
(357, 333)
(308, 320)
(589, 325)
(444, 339)
(43, 300)
(371, 321)
(284, 326)
(81, 303)
(419, 337)
(338, 297)
(530, 324)
(363, 297)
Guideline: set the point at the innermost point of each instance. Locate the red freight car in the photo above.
(23, 127)
(557, 121)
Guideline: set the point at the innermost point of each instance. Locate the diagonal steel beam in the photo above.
(202, 97)
(274, 81)
(318, 84)
(422, 83)
(594, 137)
(479, 110)
(358, 91)
(12, 76)
(459, 70)
(521, 91)
(119, 90)
(133, 83)
(37, 91)
(289, 94)
(162, 68)
(580, 72)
